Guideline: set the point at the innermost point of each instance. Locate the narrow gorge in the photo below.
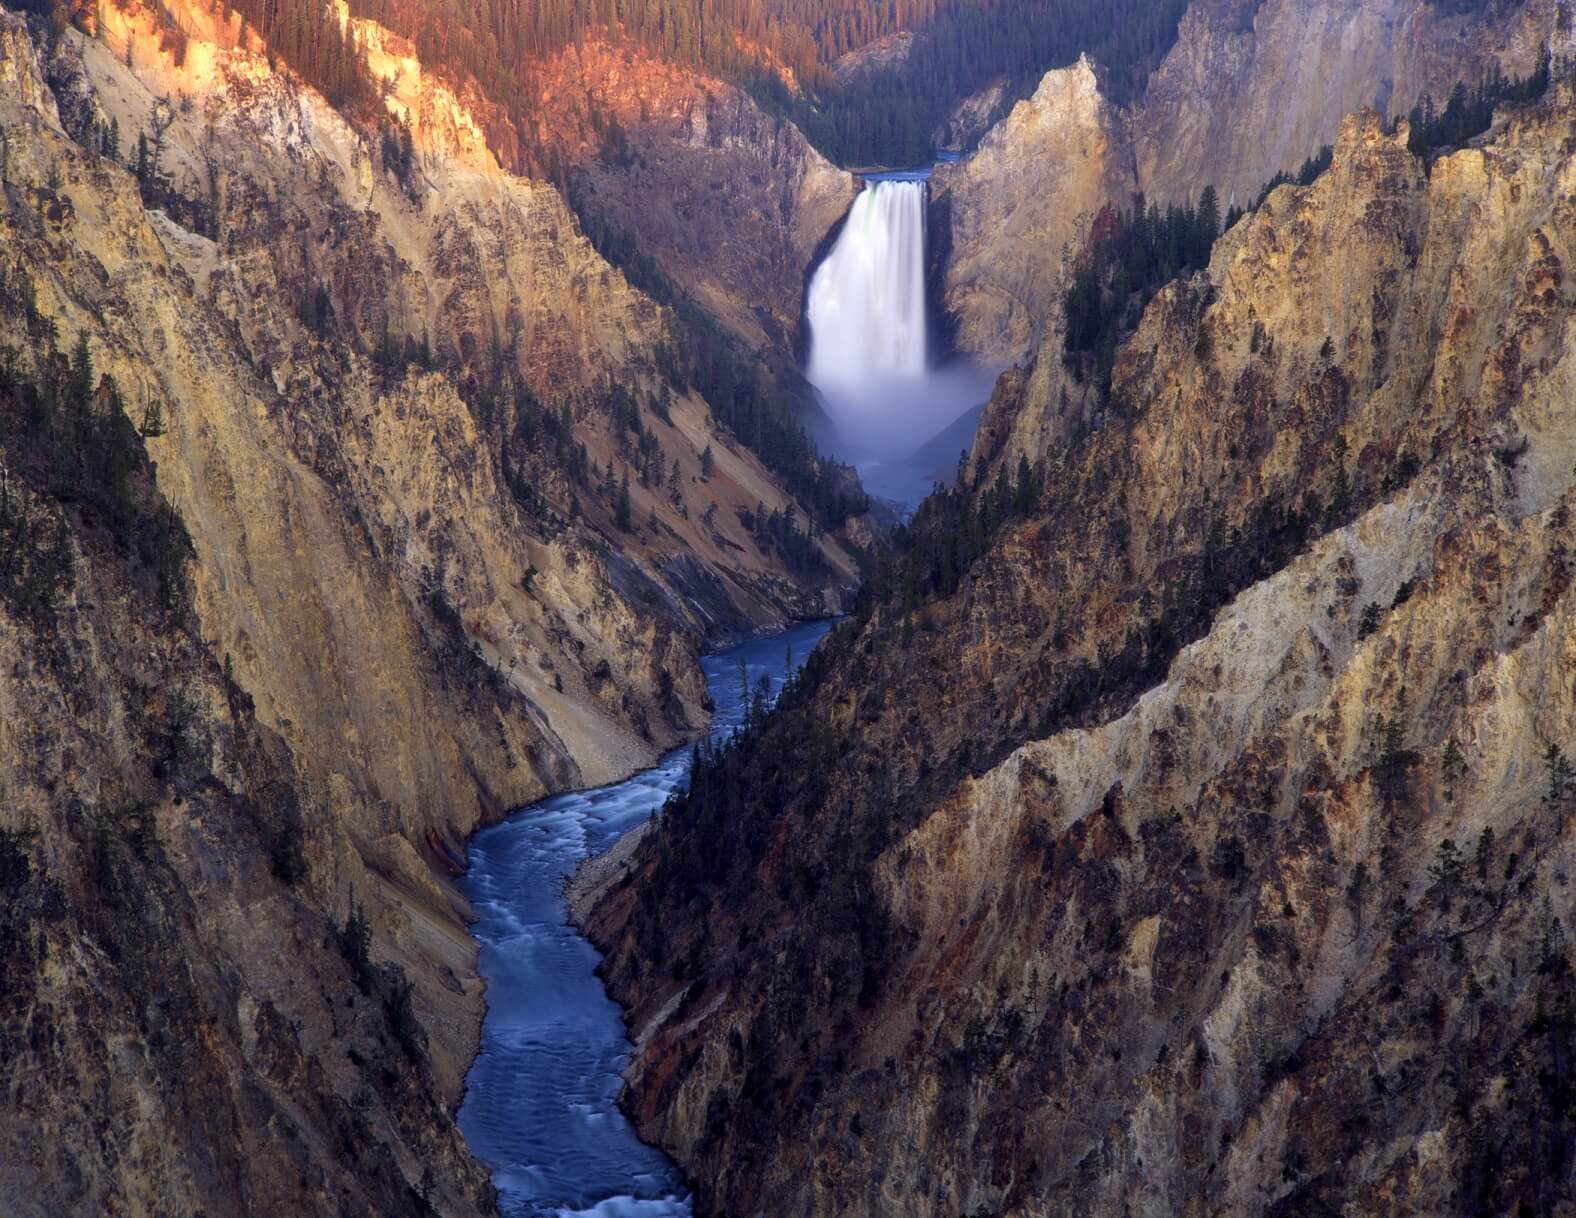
(1235, 808)
(787, 609)
(541, 1101)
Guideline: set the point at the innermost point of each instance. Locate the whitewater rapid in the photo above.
(541, 1102)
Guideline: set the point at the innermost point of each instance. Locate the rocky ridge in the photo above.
(1206, 851)
(971, 118)
(1010, 216)
(1249, 90)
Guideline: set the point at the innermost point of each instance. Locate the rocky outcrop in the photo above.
(729, 203)
(971, 118)
(1203, 851)
(411, 423)
(887, 54)
(1010, 218)
(1250, 89)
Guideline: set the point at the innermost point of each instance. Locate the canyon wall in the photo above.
(1011, 216)
(1204, 849)
(1250, 89)
(727, 201)
(1253, 87)
(405, 415)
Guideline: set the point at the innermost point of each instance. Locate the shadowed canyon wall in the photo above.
(1205, 851)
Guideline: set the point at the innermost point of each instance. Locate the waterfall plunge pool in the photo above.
(541, 1100)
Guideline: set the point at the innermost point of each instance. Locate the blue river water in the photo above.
(541, 1104)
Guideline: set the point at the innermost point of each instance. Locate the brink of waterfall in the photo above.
(869, 337)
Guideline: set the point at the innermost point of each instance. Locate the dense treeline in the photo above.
(1469, 112)
(705, 845)
(885, 118)
(779, 529)
(308, 36)
(889, 118)
(1131, 254)
(929, 556)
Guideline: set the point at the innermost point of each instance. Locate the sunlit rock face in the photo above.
(1015, 211)
(400, 618)
(1204, 851)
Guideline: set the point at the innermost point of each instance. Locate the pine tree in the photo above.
(355, 942)
(152, 425)
(1560, 774)
(1208, 226)
(1446, 871)
(1452, 764)
(1483, 857)
(82, 370)
(622, 510)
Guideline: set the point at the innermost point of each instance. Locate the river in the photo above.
(541, 1102)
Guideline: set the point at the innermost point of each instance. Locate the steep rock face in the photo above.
(730, 203)
(366, 380)
(972, 117)
(178, 1035)
(1253, 87)
(1010, 215)
(1250, 89)
(1199, 854)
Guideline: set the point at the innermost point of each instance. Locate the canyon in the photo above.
(1203, 846)
(1175, 821)
(371, 373)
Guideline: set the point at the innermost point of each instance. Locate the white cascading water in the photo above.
(869, 356)
(867, 300)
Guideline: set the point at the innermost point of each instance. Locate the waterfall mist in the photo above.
(869, 333)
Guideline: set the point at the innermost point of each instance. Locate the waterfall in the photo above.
(867, 301)
(868, 344)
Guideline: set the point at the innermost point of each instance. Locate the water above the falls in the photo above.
(541, 1101)
(870, 351)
